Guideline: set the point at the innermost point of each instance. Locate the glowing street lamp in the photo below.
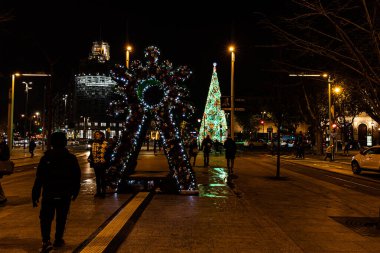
(27, 88)
(128, 49)
(329, 81)
(64, 98)
(232, 50)
(337, 90)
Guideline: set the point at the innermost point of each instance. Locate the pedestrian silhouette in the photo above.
(329, 151)
(346, 148)
(206, 147)
(230, 153)
(58, 175)
(193, 150)
(4, 156)
(32, 147)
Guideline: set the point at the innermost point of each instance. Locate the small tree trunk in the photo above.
(278, 152)
(318, 141)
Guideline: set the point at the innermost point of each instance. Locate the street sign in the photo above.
(225, 102)
(236, 109)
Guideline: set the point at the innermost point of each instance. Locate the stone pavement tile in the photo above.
(165, 250)
(332, 245)
(215, 225)
(374, 246)
(341, 237)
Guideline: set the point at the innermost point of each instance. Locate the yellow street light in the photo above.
(337, 90)
(329, 81)
(128, 49)
(232, 50)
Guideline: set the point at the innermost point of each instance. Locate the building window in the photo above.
(103, 124)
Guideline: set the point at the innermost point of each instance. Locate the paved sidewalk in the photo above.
(19, 222)
(252, 214)
(255, 213)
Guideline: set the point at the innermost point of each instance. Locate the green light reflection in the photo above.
(217, 187)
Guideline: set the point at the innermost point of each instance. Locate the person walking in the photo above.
(206, 147)
(32, 147)
(98, 160)
(346, 148)
(4, 156)
(300, 149)
(230, 153)
(58, 175)
(193, 150)
(329, 151)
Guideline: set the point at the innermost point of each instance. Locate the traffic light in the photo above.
(334, 126)
(262, 122)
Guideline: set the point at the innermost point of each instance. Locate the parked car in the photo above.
(72, 143)
(283, 143)
(254, 143)
(368, 159)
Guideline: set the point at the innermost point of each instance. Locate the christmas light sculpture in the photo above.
(214, 120)
(146, 92)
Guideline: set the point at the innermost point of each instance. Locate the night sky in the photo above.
(41, 35)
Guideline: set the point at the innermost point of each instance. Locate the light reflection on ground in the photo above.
(217, 187)
(88, 186)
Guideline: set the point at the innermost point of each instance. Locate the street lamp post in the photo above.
(129, 49)
(232, 50)
(10, 112)
(204, 126)
(27, 88)
(329, 91)
(329, 81)
(64, 115)
(11, 105)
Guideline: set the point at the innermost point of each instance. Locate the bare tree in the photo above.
(346, 34)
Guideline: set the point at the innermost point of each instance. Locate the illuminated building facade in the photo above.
(100, 52)
(93, 93)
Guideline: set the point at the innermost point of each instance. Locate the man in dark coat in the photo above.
(32, 147)
(230, 147)
(206, 147)
(58, 175)
(4, 156)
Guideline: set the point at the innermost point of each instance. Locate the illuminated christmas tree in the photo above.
(214, 120)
